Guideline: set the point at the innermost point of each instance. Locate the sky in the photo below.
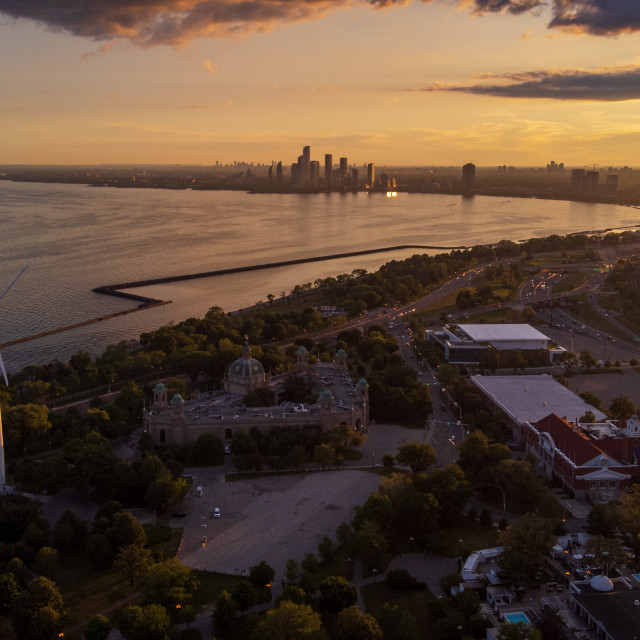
(406, 82)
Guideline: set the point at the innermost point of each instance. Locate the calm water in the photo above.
(75, 238)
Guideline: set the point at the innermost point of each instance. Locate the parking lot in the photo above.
(271, 519)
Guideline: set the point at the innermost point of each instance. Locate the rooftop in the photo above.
(531, 398)
(501, 332)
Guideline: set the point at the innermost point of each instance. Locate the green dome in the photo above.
(326, 394)
(177, 399)
(159, 388)
(341, 353)
(302, 351)
(246, 368)
(362, 383)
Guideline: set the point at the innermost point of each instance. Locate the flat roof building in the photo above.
(525, 399)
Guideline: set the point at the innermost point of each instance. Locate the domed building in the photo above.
(245, 373)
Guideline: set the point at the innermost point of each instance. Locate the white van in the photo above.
(199, 491)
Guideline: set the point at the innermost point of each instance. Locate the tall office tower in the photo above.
(591, 182)
(270, 175)
(294, 175)
(354, 178)
(371, 175)
(314, 173)
(578, 177)
(343, 172)
(328, 168)
(301, 172)
(305, 167)
(279, 173)
(468, 178)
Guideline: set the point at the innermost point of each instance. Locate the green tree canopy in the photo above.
(336, 594)
(419, 456)
(353, 624)
(169, 583)
(290, 621)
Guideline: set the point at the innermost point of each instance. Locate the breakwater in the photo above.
(148, 303)
(114, 289)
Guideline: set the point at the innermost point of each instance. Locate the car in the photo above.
(178, 514)
(453, 438)
(216, 512)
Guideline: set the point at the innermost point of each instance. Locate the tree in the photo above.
(336, 594)
(586, 359)
(169, 583)
(397, 624)
(292, 572)
(324, 455)
(150, 622)
(100, 550)
(224, 615)
(629, 515)
(70, 532)
(592, 399)
(46, 562)
(602, 520)
(134, 560)
(353, 624)
(98, 628)
(23, 423)
(419, 456)
(261, 575)
(326, 549)
(9, 589)
(38, 611)
(125, 531)
(371, 544)
(526, 544)
(552, 625)
(621, 407)
(518, 631)
(568, 360)
(245, 594)
(291, 621)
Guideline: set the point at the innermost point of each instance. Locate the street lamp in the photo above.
(460, 541)
(375, 573)
(504, 499)
(349, 568)
(373, 460)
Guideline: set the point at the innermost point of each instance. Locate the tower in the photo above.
(371, 175)
(328, 168)
(468, 178)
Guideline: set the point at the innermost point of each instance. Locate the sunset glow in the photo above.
(517, 82)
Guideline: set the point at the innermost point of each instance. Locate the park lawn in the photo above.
(375, 596)
(473, 536)
(573, 281)
(211, 584)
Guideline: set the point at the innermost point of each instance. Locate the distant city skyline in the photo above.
(514, 82)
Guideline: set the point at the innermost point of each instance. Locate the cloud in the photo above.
(176, 22)
(606, 85)
(211, 67)
(597, 17)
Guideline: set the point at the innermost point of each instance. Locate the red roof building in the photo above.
(597, 461)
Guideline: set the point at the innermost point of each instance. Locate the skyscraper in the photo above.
(328, 168)
(305, 166)
(468, 178)
(343, 173)
(314, 173)
(371, 175)
(354, 178)
(279, 173)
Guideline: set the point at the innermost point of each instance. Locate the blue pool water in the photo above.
(518, 616)
(636, 576)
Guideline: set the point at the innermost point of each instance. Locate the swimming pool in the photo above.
(636, 576)
(516, 616)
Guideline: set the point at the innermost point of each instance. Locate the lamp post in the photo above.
(373, 460)
(349, 568)
(375, 573)
(504, 499)
(460, 541)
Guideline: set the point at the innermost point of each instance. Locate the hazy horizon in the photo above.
(192, 82)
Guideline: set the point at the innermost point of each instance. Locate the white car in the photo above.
(216, 512)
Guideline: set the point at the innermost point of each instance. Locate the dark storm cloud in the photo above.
(597, 17)
(611, 85)
(176, 22)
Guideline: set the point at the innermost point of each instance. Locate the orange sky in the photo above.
(444, 82)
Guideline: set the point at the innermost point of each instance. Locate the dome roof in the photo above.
(159, 388)
(362, 383)
(326, 394)
(246, 368)
(302, 350)
(601, 583)
(177, 398)
(341, 353)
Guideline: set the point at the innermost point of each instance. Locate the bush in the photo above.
(402, 579)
